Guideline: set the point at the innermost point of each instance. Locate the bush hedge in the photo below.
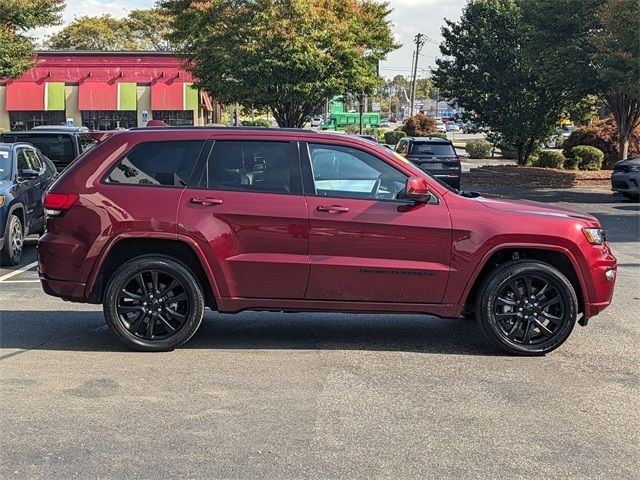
(420, 125)
(392, 138)
(549, 159)
(587, 157)
(478, 148)
(258, 122)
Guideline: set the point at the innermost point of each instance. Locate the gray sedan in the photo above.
(625, 178)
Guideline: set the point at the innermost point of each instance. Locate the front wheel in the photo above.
(526, 307)
(13, 242)
(154, 303)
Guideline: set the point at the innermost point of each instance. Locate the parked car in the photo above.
(434, 155)
(159, 223)
(470, 127)
(59, 144)
(25, 174)
(625, 178)
(385, 123)
(316, 121)
(441, 127)
(452, 127)
(371, 138)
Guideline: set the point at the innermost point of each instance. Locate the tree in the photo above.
(424, 88)
(590, 47)
(16, 17)
(288, 56)
(485, 70)
(420, 126)
(142, 30)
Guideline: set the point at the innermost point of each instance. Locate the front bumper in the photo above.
(603, 272)
(626, 182)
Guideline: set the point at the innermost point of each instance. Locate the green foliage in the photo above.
(142, 30)
(420, 125)
(478, 148)
(549, 159)
(392, 138)
(286, 56)
(588, 158)
(485, 69)
(352, 128)
(258, 122)
(16, 17)
(603, 135)
(438, 135)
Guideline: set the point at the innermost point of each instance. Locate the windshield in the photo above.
(425, 148)
(5, 164)
(56, 147)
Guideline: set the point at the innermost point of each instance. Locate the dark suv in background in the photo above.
(59, 144)
(434, 155)
(25, 174)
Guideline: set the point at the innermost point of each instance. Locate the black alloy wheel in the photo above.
(527, 307)
(154, 303)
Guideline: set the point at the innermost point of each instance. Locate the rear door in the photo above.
(248, 215)
(365, 245)
(28, 188)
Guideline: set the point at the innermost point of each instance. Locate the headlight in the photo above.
(634, 168)
(595, 236)
(1, 200)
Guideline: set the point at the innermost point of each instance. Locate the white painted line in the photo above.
(21, 281)
(18, 272)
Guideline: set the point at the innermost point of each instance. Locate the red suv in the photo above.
(159, 223)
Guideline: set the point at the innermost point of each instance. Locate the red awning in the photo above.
(98, 96)
(25, 96)
(167, 96)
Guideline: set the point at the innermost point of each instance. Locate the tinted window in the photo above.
(34, 160)
(426, 148)
(348, 172)
(251, 166)
(86, 142)
(158, 163)
(22, 161)
(56, 147)
(5, 164)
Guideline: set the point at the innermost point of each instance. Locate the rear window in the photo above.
(433, 148)
(57, 147)
(161, 164)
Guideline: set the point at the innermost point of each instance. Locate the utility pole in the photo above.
(418, 40)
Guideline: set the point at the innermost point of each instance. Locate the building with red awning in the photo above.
(104, 91)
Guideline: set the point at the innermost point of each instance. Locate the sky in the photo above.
(409, 17)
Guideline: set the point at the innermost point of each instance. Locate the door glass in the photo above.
(351, 173)
(34, 161)
(23, 161)
(251, 166)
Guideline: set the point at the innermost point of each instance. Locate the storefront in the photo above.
(104, 91)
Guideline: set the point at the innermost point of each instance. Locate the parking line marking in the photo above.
(21, 281)
(18, 272)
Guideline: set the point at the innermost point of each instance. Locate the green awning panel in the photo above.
(127, 96)
(54, 96)
(190, 97)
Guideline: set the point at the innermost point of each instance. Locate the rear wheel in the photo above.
(526, 307)
(13, 242)
(631, 196)
(154, 303)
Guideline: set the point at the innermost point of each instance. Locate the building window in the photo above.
(28, 120)
(174, 118)
(108, 119)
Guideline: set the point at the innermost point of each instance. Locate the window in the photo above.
(174, 118)
(56, 147)
(22, 160)
(109, 119)
(28, 120)
(5, 164)
(251, 166)
(34, 160)
(432, 148)
(158, 163)
(402, 147)
(351, 173)
(86, 142)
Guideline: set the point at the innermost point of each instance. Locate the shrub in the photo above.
(420, 125)
(352, 128)
(392, 138)
(570, 163)
(438, 135)
(602, 134)
(479, 148)
(588, 158)
(549, 159)
(258, 122)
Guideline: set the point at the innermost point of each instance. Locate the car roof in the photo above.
(10, 145)
(429, 139)
(58, 129)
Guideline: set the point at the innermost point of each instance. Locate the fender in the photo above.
(97, 265)
(506, 246)
(12, 209)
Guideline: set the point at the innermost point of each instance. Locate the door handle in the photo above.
(332, 208)
(206, 201)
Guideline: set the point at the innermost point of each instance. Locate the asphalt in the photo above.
(274, 395)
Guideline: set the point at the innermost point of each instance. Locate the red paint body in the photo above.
(282, 252)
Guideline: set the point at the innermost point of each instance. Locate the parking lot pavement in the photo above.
(275, 395)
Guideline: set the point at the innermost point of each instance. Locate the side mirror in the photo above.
(28, 174)
(417, 190)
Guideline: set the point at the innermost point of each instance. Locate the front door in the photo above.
(248, 215)
(366, 245)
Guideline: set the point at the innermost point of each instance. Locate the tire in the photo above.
(631, 196)
(13, 242)
(506, 310)
(130, 303)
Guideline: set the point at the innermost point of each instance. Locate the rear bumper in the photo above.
(70, 291)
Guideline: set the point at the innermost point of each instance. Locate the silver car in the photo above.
(625, 178)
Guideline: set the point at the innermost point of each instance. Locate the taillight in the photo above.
(56, 203)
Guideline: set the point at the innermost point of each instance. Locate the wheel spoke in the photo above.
(135, 325)
(542, 291)
(154, 281)
(505, 301)
(528, 288)
(527, 333)
(175, 315)
(514, 329)
(141, 283)
(178, 298)
(149, 333)
(505, 316)
(543, 329)
(514, 286)
(552, 318)
(130, 295)
(174, 283)
(551, 301)
(166, 323)
(129, 309)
